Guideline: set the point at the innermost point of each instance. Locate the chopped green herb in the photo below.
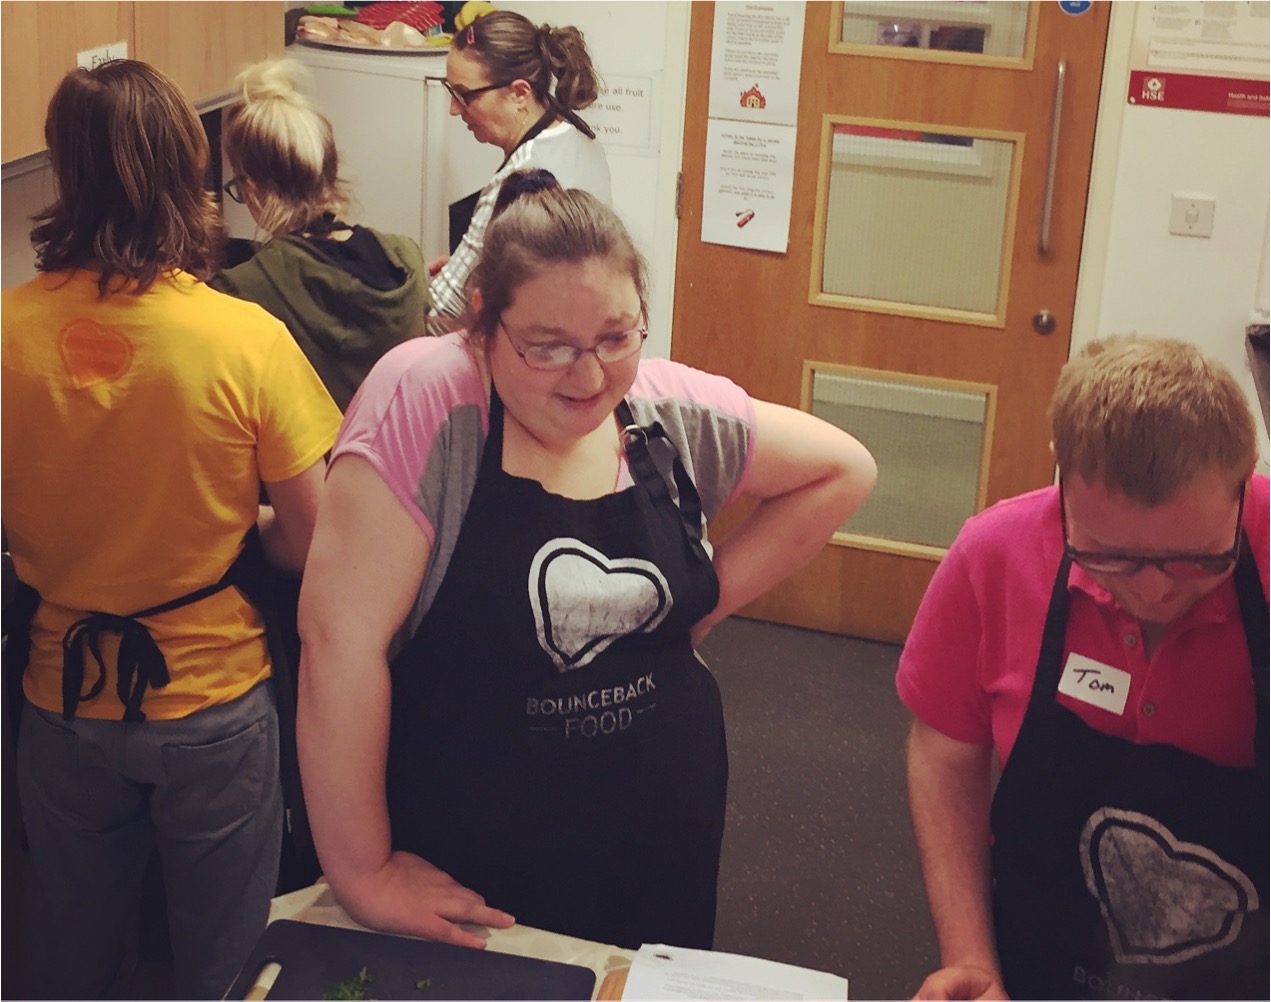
(423, 984)
(351, 988)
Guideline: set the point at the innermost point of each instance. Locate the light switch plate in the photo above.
(1192, 215)
(90, 59)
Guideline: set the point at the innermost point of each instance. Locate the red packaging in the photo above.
(424, 17)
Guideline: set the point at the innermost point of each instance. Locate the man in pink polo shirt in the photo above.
(1104, 644)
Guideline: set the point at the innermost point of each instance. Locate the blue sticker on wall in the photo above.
(1074, 6)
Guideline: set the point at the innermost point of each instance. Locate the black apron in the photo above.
(556, 745)
(141, 665)
(1130, 871)
(461, 212)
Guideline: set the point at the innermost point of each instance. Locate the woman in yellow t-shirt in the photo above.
(142, 412)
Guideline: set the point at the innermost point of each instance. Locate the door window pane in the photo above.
(929, 438)
(987, 29)
(917, 217)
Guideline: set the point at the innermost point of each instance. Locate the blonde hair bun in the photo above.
(277, 79)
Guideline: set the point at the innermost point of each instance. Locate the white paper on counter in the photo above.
(674, 972)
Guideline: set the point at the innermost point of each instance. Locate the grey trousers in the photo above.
(99, 796)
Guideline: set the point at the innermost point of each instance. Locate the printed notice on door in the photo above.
(756, 60)
(756, 63)
(749, 170)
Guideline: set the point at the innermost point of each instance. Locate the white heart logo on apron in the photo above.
(583, 601)
(1165, 900)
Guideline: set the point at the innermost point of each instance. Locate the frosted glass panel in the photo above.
(991, 29)
(915, 217)
(928, 442)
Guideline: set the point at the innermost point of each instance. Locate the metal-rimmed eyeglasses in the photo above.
(558, 355)
(1183, 566)
(464, 97)
(234, 188)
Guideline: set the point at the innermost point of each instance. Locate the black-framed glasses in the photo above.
(234, 188)
(1186, 566)
(558, 355)
(464, 97)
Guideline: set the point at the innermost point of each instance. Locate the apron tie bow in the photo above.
(140, 664)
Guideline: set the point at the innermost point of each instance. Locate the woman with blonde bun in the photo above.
(518, 86)
(347, 293)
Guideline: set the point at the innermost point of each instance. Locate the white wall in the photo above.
(636, 38)
(1135, 275)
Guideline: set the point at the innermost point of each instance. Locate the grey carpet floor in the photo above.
(819, 866)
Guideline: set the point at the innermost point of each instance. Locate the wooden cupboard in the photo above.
(201, 45)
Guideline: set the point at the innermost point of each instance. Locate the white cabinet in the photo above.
(405, 157)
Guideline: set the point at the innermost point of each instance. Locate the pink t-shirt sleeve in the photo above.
(939, 673)
(401, 419)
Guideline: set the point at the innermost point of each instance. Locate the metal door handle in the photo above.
(1043, 321)
(1056, 120)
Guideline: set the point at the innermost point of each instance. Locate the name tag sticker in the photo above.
(1094, 683)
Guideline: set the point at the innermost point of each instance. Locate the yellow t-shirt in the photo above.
(136, 431)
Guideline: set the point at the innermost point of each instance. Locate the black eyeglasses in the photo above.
(1185, 566)
(558, 355)
(464, 97)
(234, 188)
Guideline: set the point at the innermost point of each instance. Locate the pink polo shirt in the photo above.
(967, 667)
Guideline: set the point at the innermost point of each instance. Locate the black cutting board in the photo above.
(316, 958)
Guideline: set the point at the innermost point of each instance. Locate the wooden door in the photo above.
(778, 325)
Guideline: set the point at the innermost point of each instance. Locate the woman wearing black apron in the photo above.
(552, 751)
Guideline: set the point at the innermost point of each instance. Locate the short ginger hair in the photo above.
(1143, 416)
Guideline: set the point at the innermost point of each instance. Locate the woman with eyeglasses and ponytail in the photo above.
(518, 86)
(502, 717)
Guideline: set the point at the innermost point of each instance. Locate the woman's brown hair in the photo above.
(129, 159)
(537, 224)
(553, 61)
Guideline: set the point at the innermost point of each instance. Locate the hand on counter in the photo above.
(411, 897)
(962, 982)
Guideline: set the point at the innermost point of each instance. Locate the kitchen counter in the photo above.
(317, 904)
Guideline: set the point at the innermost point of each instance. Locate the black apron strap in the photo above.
(1253, 613)
(20, 603)
(1050, 656)
(645, 471)
(259, 582)
(141, 664)
(461, 213)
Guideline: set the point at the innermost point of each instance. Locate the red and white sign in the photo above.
(1232, 95)
(1201, 56)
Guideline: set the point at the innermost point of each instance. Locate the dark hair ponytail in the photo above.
(522, 182)
(554, 61)
(538, 224)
